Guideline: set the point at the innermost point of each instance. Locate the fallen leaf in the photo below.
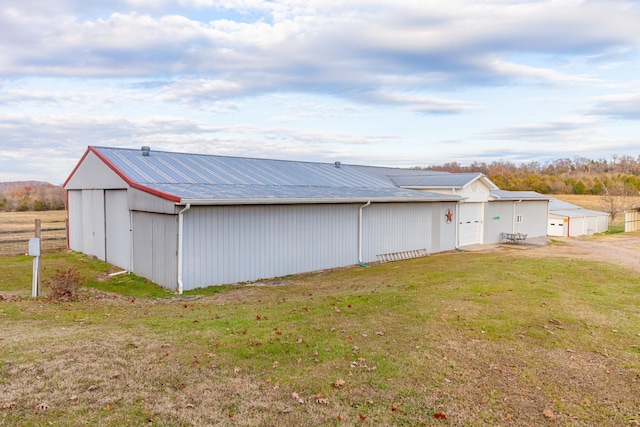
(92, 387)
(338, 383)
(549, 414)
(8, 405)
(73, 397)
(362, 416)
(322, 401)
(236, 369)
(394, 408)
(440, 416)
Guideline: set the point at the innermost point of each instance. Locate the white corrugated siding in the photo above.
(155, 247)
(443, 232)
(397, 227)
(498, 219)
(93, 223)
(228, 244)
(631, 220)
(117, 228)
(74, 208)
(535, 214)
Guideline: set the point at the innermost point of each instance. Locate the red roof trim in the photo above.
(161, 194)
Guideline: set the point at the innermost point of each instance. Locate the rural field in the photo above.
(500, 337)
(17, 227)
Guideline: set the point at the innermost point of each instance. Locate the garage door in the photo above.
(556, 227)
(470, 224)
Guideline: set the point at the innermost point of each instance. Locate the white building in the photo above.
(568, 220)
(186, 221)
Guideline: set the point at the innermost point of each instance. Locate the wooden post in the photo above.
(39, 267)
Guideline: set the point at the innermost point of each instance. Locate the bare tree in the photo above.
(617, 197)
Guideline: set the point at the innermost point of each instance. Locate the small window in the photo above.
(519, 218)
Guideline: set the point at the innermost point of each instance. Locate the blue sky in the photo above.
(379, 82)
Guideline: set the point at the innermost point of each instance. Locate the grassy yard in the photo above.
(464, 339)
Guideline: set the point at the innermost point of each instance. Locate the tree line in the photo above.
(31, 196)
(580, 175)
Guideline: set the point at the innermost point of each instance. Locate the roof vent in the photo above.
(145, 150)
(337, 164)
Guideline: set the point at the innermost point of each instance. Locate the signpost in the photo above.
(34, 251)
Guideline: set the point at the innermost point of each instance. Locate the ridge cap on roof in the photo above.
(182, 153)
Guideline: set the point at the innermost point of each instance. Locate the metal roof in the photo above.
(447, 180)
(424, 178)
(565, 209)
(221, 179)
(518, 195)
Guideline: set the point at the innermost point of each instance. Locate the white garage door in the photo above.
(556, 227)
(470, 224)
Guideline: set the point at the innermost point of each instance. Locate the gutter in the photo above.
(298, 201)
(180, 246)
(360, 261)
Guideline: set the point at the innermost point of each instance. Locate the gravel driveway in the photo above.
(622, 249)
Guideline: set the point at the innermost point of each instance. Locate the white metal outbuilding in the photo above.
(186, 221)
(569, 220)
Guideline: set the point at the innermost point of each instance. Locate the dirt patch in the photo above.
(622, 249)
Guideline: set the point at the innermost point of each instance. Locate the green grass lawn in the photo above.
(452, 339)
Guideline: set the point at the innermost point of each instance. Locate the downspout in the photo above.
(180, 236)
(66, 195)
(130, 241)
(457, 229)
(360, 261)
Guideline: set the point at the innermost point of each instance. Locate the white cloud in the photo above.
(567, 129)
(383, 75)
(623, 106)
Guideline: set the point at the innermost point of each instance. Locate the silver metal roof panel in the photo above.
(184, 177)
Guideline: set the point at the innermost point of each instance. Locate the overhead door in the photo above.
(470, 224)
(556, 227)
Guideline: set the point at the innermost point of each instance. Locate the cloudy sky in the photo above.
(380, 82)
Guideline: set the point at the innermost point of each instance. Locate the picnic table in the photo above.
(515, 238)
